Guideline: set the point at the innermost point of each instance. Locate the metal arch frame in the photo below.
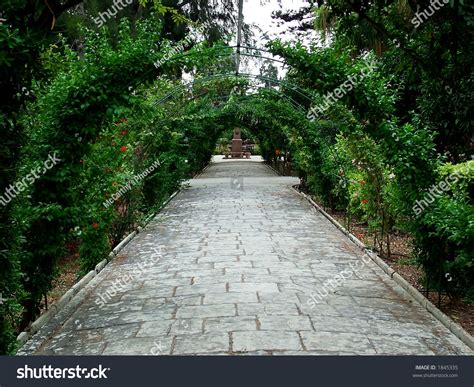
(145, 76)
(236, 48)
(249, 55)
(189, 84)
(248, 96)
(222, 97)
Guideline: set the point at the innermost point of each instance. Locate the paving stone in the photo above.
(147, 293)
(183, 300)
(116, 307)
(230, 324)
(78, 348)
(91, 321)
(219, 258)
(401, 345)
(446, 346)
(265, 278)
(199, 273)
(155, 328)
(229, 298)
(228, 265)
(253, 287)
(250, 309)
(217, 279)
(165, 312)
(265, 340)
(214, 342)
(281, 298)
(247, 270)
(282, 309)
(201, 288)
(261, 260)
(139, 346)
(187, 326)
(337, 341)
(221, 310)
(285, 323)
(325, 323)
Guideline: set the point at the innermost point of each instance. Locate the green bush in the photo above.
(446, 238)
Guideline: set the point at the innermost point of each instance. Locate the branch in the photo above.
(54, 9)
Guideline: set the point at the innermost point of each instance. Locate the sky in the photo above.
(259, 12)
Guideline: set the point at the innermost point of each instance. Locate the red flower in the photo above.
(123, 148)
(122, 121)
(95, 225)
(365, 201)
(341, 173)
(124, 132)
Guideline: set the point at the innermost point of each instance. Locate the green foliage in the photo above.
(446, 239)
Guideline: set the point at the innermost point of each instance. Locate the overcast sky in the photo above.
(259, 13)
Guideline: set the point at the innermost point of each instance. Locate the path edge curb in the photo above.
(198, 175)
(449, 323)
(59, 305)
(273, 169)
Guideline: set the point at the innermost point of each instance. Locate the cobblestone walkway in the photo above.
(228, 268)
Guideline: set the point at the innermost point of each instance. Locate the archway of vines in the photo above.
(127, 133)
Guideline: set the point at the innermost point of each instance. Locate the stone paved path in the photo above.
(228, 268)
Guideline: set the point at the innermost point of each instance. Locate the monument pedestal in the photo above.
(236, 150)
